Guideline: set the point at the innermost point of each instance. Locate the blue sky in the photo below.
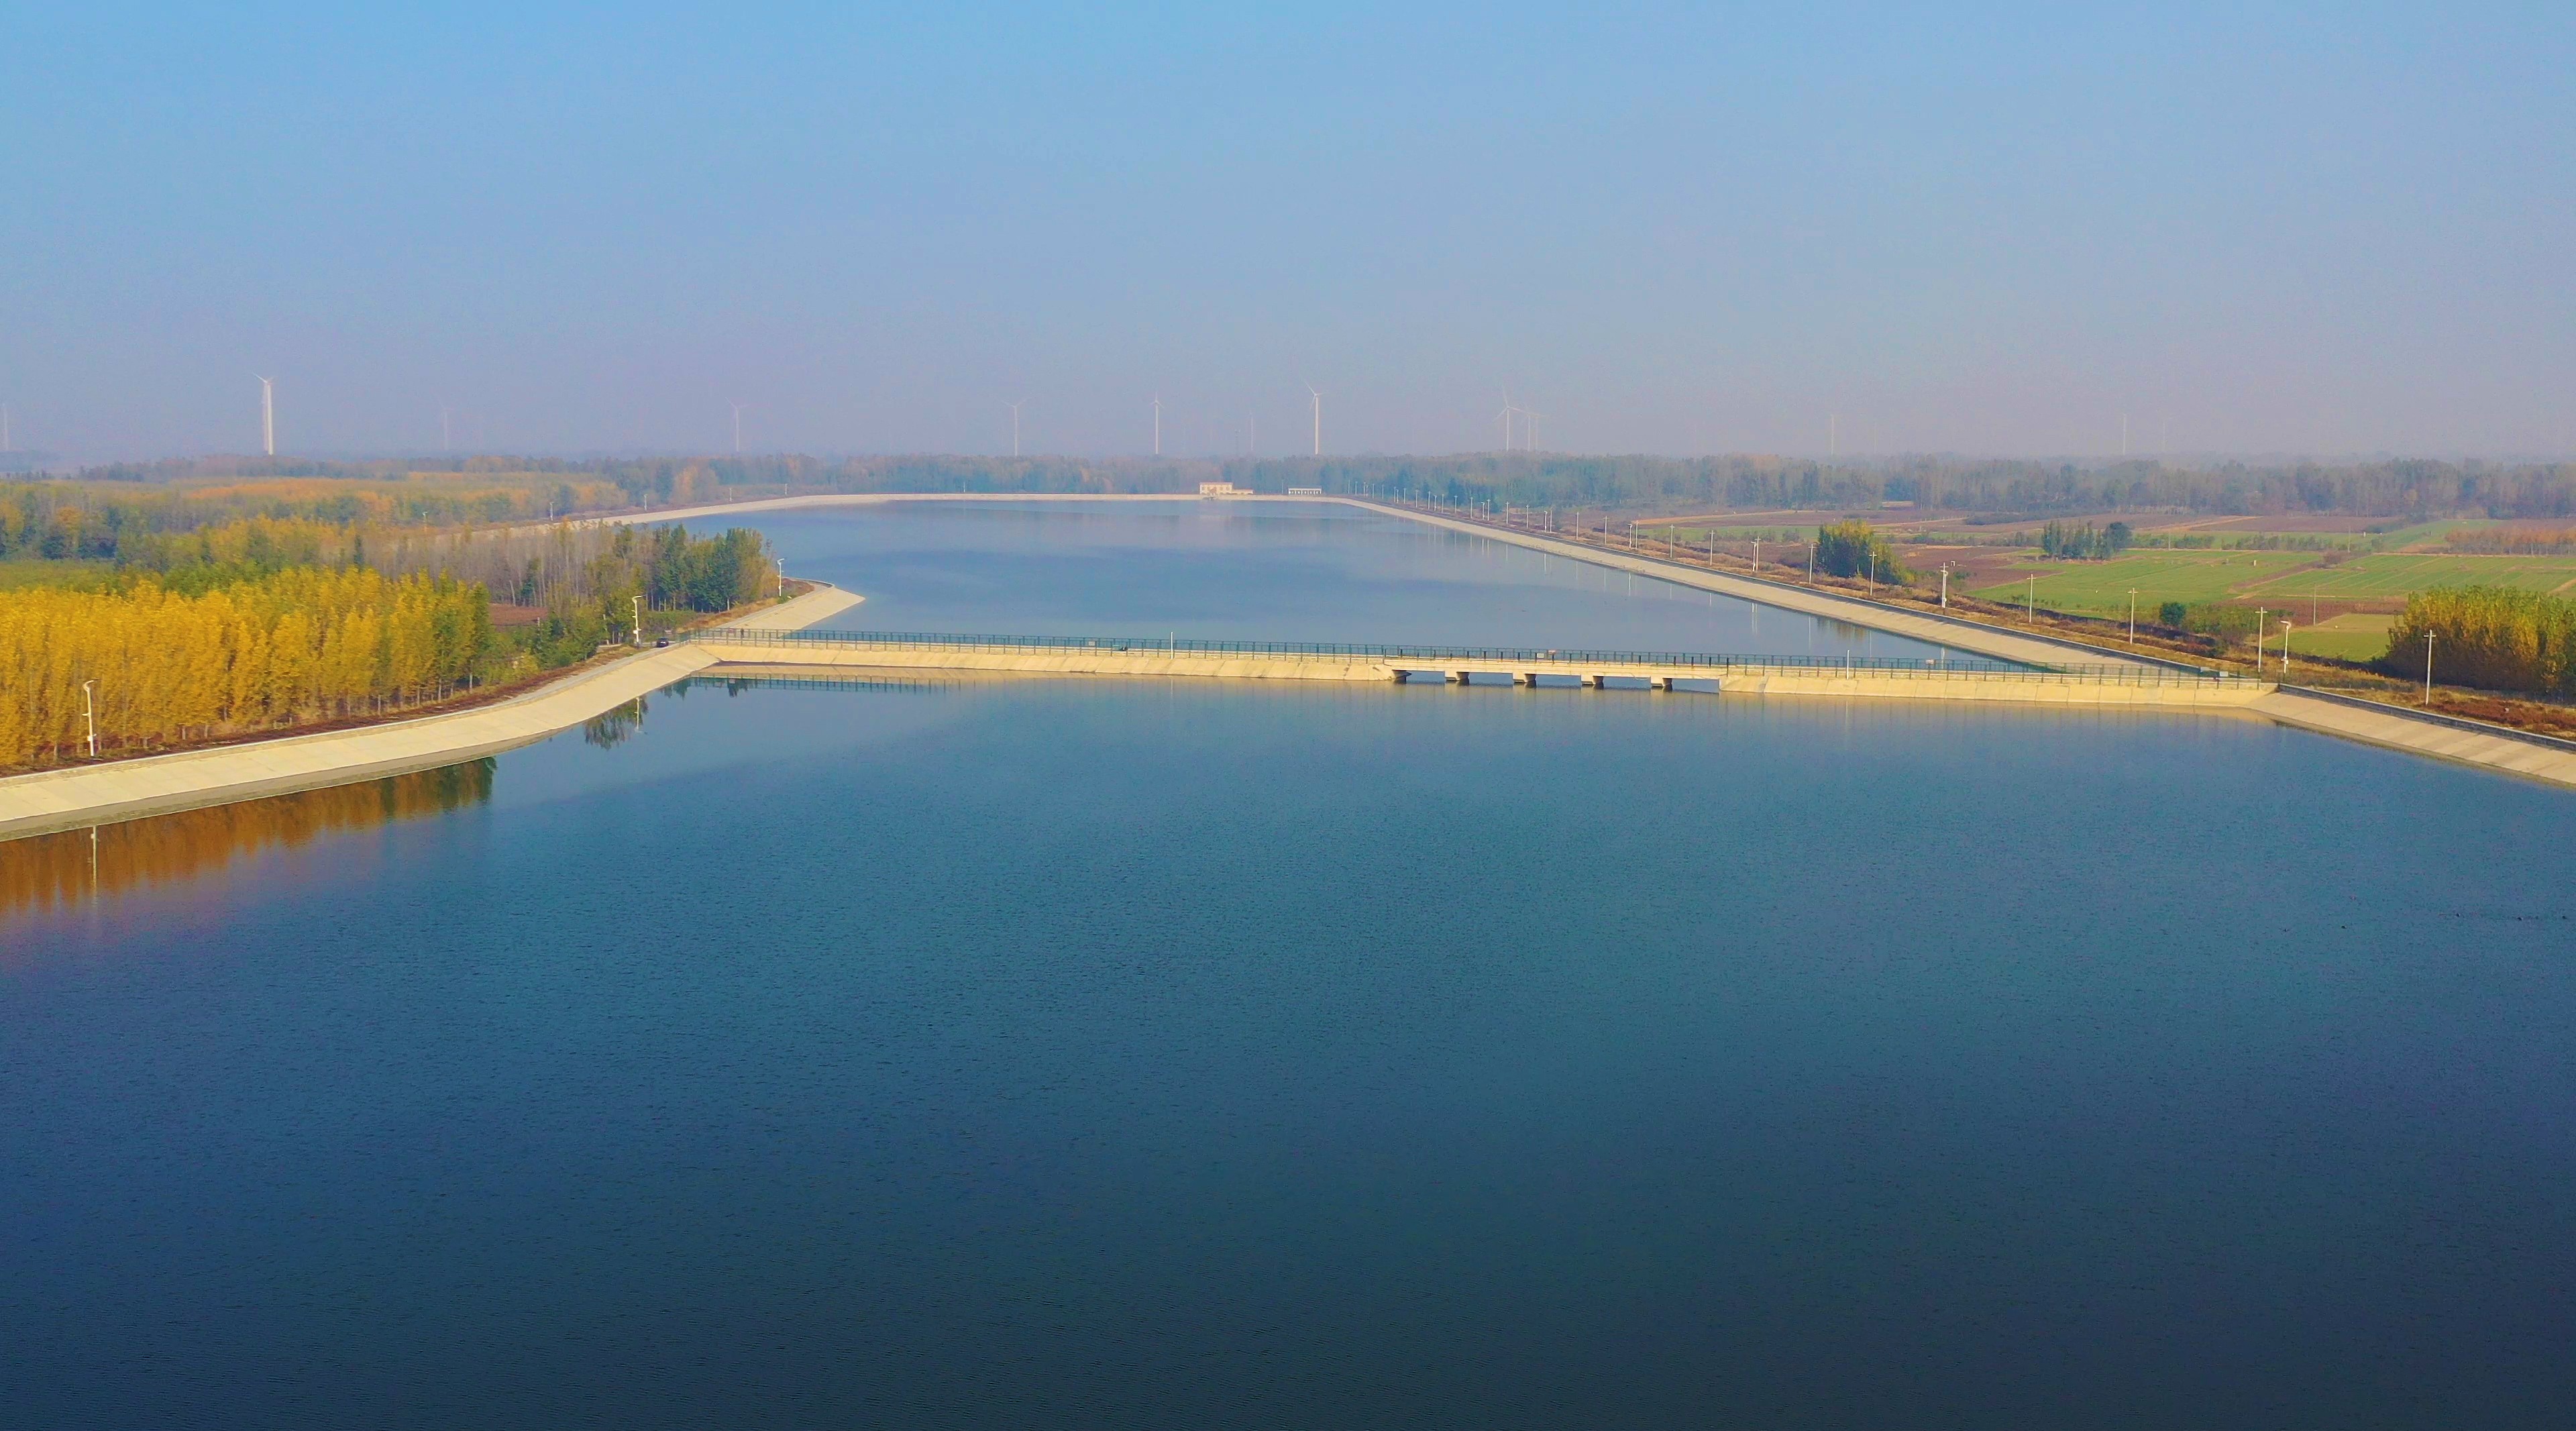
(1990, 229)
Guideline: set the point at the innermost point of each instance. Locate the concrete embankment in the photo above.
(152, 785)
(2535, 757)
(2096, 687)
(1957, 635)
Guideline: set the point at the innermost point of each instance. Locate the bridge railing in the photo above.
(1436, 657)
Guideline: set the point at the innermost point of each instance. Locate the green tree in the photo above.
(1855, 549)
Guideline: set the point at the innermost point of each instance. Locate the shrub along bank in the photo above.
(2492, 637)
(1855, 549)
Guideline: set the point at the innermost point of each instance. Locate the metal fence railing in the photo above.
(1492, 657)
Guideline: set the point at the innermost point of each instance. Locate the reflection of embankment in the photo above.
(72, 865)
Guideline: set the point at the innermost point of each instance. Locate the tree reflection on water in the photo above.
(610, 728)
(73, 865)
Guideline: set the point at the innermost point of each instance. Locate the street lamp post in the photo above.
(1945, 586)
(636, 602)
(2030, 604)
(2428, 668)
(2259, 613)
(89, 714)
(2285, 648)
(2133, 616)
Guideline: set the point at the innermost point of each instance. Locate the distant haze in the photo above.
(1668, 229)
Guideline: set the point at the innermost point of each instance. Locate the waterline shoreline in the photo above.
(121, 790)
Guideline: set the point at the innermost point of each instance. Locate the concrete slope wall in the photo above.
(1957, 635)
(2537, 758)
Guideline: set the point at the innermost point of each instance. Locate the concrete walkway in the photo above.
(2463, 742)
(2097, 686)
(154, 785)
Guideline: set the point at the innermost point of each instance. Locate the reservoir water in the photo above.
(1034, 1052)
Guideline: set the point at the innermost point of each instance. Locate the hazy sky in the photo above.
(1669, 228)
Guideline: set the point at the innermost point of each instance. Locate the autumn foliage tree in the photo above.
(166, 666)
(2492, 637)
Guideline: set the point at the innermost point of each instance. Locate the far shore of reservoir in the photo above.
(131, 789)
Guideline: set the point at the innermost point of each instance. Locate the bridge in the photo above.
(1940, 678)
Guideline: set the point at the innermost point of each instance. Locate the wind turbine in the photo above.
(1015, 427)
(1319, 418)
(737, 429)
(1506, 416)
(1158, 424)
(267, 416)
(1529, 428)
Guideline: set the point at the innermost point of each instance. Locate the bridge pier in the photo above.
(1525, 678)
(1596, 683)
(1660, 683)
(1458, 678)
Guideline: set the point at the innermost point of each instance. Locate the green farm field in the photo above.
(2358, 636)
(2393, 574)
(2101, 588)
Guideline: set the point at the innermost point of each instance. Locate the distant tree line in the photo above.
(2083, 541)
(2542, 541)
(2404, 488)
(2011, 490)
(90, 520)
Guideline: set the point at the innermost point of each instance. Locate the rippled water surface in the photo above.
(1055, 1052)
